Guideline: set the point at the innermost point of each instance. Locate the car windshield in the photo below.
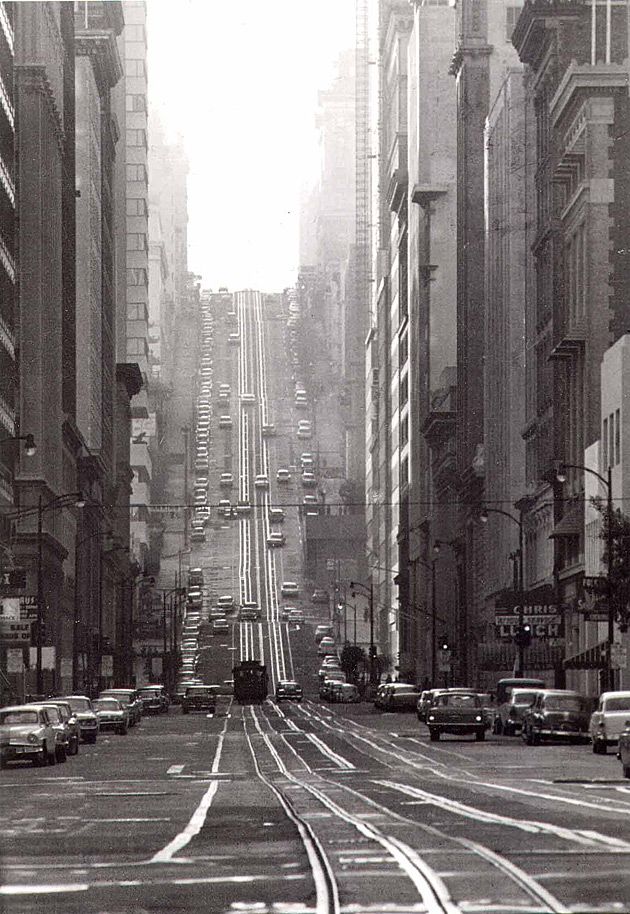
(201, 691)
(564, 703)
(80, 704)
(617, 704)
(405, 690)
(18, 717)
(523, 698)
(149, 693)
(123, 699)
(106, 704)
(460, 700)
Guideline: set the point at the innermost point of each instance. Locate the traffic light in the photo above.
(523, 636)
(444, 645)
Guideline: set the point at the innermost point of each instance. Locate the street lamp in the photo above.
(79, 502)
(521, 634)
(30, 448)
(561, 476)
(369, 592)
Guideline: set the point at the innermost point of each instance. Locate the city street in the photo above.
(300, 808)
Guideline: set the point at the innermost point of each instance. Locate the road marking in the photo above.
(198, 819)
(329, 753)
(43, 889)
(175, 769)
(526, 825)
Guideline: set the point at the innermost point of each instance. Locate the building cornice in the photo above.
(468, 51)
(528, 34)
(100, 45)
(599, 77)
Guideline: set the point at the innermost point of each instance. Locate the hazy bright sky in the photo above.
(239, 80)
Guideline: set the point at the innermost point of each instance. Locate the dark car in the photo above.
(458, 713)
(623, 750)
(556, 714)
(199, 698)
(320, 596)
(154, 699)
(288, 690)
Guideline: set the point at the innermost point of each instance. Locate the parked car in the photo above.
(456, 712)
(276, 515)
(220, 626)
(226, 601)
(261, 481)
(288, 690)
(400, 696)
(289, 589)
(623, 749)
(276, 539)
(323, 631)
(609, 720)
(27, 733)
(283, 475)
(199, 698)
(86, 716)
(326, 646)
(59, 723)
(296, 615)
(128, 698)
(343, 692)
(72, 723)
(112, 715)
(556, 714)
(424, 703)
(520, 702)
(504, 691)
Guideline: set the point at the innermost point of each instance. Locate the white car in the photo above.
(283, 475)
(261, 481)
(276, 539)
(608, 721)
(226, 480)
(248, 399)
(309, 480)
(268, 430)
(306, 460)
(225, 422)
(234, 339)
(276, 515)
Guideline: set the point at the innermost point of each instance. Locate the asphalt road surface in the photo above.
(302, 807)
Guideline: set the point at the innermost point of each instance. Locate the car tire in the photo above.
(480, 736)
(40, 760)
(600, 748)
(626, 771)
(90, 738)
(528, 736)
(75, 746)
(497, 727)
(122, 731)
(61, 754)
(52, 757)
(3, 763)
(184, 710)
(434, 735)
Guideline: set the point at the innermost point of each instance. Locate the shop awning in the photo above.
(593, 658)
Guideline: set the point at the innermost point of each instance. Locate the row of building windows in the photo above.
(611, 440)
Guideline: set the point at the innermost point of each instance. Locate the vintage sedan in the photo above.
(288, 690)
(556, 714)
(154, 699)
(112, 715)
(608, 721)
(72, 723)
(27, 733)
(520, 702)
(84, 712)
(456, 712)
(343, 693)
(199, 698)
(128, 698)
(400, 696)
(623, 749)
(59, 722)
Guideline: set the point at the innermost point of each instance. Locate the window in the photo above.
(137, 173)
(136, 276)
(136, 138)
(403, 350)
(136, 102)
(404, 430)
(404, 389)
(404, 472)
(136, 242)
(134, 68)
(611, 437)
(511, 17)
(136, 311)
(605, 444)
(136, 206)
(617, 437)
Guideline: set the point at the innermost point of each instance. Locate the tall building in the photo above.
(430, 336)
(481, 58)
(45, 251)
(137, 265)
(387, 356)
(576, 55)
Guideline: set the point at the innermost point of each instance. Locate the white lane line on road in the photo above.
(329, 753)
(175, 769)
(199, 816)
(480, 815)
(43, 889)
